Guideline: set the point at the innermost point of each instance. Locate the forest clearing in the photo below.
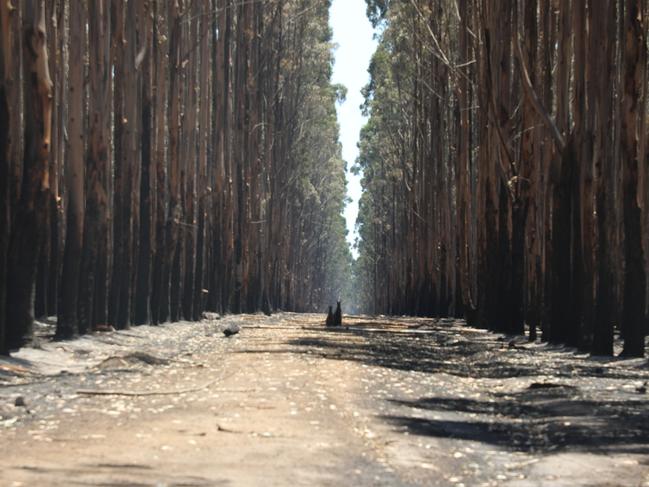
(287, 401)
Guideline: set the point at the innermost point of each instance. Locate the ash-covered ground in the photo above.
(382, 401)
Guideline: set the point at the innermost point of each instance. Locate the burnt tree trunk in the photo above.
(633, 322)
(92, 297)
(142, 305)
(6, 119)
(602, 22)
(67, 325)
(32, 206)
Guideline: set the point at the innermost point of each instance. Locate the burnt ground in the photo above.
(383, 401)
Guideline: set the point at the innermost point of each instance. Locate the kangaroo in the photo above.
(338, 315)
(330, 317)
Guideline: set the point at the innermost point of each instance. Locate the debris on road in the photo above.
(407, 401)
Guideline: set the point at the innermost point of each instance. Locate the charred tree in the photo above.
(68, 323)
(93, 291)
(634, 326)
(27, 232)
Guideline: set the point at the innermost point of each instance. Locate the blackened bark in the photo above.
(67, 324)
(560, 263)
(92, 297)
(4, 206)
(143, 284)
(633, 322)
(30, 218)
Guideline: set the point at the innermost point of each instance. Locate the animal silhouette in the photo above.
(330, 317)
(338, 315)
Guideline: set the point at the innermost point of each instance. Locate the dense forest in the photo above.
(161, 158)
(505, 167)
(175, 188)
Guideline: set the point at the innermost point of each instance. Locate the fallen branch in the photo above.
(21, 384)
(226, 430)
(115, 392)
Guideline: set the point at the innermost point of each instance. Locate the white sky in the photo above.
(353, 34)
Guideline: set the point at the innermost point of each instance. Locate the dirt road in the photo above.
(287, 402)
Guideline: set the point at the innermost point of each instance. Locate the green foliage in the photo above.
(377, 10)
(385, 158)
(341, 93)
(316, 184)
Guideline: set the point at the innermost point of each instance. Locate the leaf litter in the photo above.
(431, 401)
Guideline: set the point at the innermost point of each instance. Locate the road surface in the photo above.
(383, 401)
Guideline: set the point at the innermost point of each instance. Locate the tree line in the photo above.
(505, 167)
(160, 158)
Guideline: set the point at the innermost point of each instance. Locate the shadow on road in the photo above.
(593, 415)
(469, 354)
(536, 422)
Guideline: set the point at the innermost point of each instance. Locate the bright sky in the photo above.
(353, 34)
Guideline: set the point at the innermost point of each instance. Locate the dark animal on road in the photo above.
(338, 315)
(330, 317)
